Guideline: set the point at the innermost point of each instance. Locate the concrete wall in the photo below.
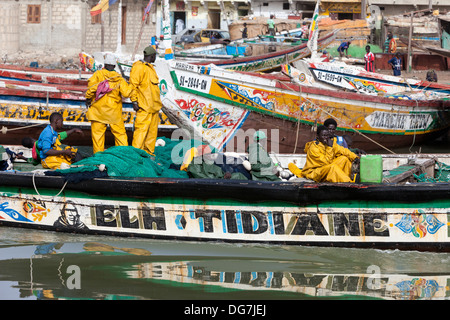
(9, 27)
(111, 35)
(66, 28)
(60, 28)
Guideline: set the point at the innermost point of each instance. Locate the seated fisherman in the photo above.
(262, 166)
(326, 161)
(331, 125)
(49, 145)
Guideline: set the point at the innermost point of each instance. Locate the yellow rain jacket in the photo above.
(144, 79)
(327, 164)
(108, 109)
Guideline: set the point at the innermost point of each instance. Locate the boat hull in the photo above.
(25, 108)
(409, 217)
(270, 61)
(226, 107)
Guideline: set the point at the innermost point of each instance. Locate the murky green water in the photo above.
(48, 265)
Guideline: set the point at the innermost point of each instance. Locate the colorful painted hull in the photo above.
(271, 61)
(409, 217)
(223, 106)
(356, 79)
(53, 76)
(25, 108)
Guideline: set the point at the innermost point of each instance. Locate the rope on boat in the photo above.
(355, 130)
(4, 129)
(414, 136)
(298, 123)
(48, 197)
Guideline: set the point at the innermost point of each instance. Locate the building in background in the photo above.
(67, 27)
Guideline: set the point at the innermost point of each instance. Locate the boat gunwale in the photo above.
(224, 63)
(299, 193)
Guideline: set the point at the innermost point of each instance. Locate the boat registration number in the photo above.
(193, 82)
(329, 77)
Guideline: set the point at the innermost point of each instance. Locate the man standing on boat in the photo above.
(104, 99)
(147, 102)
(369, 59)
(326, 161)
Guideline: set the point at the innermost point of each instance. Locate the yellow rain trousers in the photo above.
(107, 110)
(54, 162)
(144, 79)
(327, 164)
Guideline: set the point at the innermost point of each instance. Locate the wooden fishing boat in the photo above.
(25, 108)
(271, 61)
(357, 79)
(52, 76)
(224, 107)
(386, 215)
(263, 62)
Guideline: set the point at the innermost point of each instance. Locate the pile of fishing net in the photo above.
(128, 161)
(441, 175)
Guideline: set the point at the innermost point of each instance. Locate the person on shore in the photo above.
(106, 88)
(262, 166)
(305, 30)
(369, 59)
(146, 103)
(52, 155)
(326, 161)
(244, 31)
(390, 45)
(396, 64)
(431, 76)
(271, 27)
(343, 47)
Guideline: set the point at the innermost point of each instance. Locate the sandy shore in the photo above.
(47, 59)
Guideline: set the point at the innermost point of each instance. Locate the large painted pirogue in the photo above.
(216, 103)
(411, 216)
(220, 104)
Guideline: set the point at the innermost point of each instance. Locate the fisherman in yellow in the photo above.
(147, 103)
(104, 99)
(326, 161)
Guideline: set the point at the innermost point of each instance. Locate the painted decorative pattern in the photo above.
(229, 220)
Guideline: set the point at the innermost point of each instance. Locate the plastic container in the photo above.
(371, 168)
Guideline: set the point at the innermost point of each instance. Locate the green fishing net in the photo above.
(128, 161)
(442, 174)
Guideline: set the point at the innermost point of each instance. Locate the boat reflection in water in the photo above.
(48, 265)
